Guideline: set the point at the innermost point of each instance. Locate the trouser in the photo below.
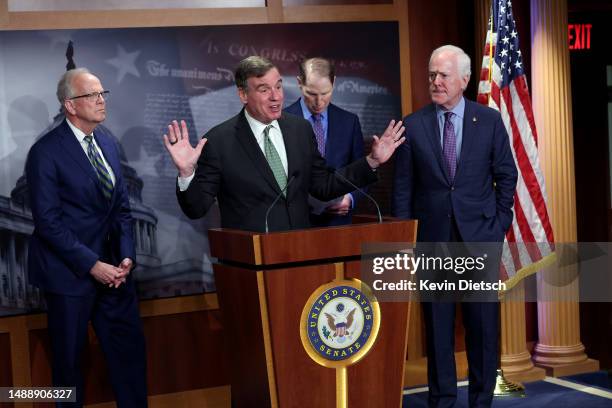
(480, 320)
(115, 317)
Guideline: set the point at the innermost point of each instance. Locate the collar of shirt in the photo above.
(276, 136)
(258, 128)
(457, 120)
(80, 135)
(308, 116)
(458, 110)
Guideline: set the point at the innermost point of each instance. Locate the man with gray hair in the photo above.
(82, 250)
(262, 164)
(457, 176)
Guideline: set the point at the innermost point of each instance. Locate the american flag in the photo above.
(503, 86)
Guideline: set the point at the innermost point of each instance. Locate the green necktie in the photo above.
(101, 170)
(274, 160)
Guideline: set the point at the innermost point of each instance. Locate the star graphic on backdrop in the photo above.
(145, 165)
(125, 62)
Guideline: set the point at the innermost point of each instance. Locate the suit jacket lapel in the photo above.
(292, 149)
(75, 152)
(249, 143)
(332, 129)
(470, 121)
(430, 123)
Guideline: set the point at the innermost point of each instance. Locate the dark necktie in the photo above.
(449, 148)
(101, 170)
(317, 126)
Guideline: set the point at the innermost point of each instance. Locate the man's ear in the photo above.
(466, 80)
(299, 81)
(69, 106)
(242, 94)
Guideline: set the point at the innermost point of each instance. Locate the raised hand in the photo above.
(383, 147)
(184, 156)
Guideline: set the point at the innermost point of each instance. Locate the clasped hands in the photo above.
(110, 275)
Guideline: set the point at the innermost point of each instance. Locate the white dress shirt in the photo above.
(257, 127)
(80, 135)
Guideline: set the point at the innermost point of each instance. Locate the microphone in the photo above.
(349, 182)
(293, 177)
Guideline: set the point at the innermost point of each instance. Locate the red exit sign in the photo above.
(579, 36)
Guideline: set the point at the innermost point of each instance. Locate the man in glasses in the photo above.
(81, 251)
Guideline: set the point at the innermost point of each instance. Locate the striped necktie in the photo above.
(98, 163)
(274, 160)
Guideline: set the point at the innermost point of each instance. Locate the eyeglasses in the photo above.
(93, 97)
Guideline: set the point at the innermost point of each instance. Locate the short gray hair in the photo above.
(64, 86)
(463, 60)
(253, 66)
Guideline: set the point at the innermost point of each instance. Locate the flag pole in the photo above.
(503, 387)
(489, 40)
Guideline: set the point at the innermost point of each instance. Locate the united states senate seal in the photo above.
(339, 323)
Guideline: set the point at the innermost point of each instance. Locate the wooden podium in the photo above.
(263, 282)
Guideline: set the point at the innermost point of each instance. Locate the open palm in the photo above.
(184, 156)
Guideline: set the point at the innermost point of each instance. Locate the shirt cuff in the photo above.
(352, 200)
(183, 182)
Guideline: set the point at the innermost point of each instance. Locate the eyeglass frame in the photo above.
(104, 94)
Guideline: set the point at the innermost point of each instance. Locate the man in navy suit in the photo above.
(82, 249)
(338, 131)
(457, 176)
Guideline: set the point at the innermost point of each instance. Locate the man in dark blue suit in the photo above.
(338, 131)
(82, 249)
(457, 176)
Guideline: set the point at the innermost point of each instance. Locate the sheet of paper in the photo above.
(318, 206)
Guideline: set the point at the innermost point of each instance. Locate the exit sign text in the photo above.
(579, 36)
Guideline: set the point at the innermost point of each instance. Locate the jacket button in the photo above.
(452, 188)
